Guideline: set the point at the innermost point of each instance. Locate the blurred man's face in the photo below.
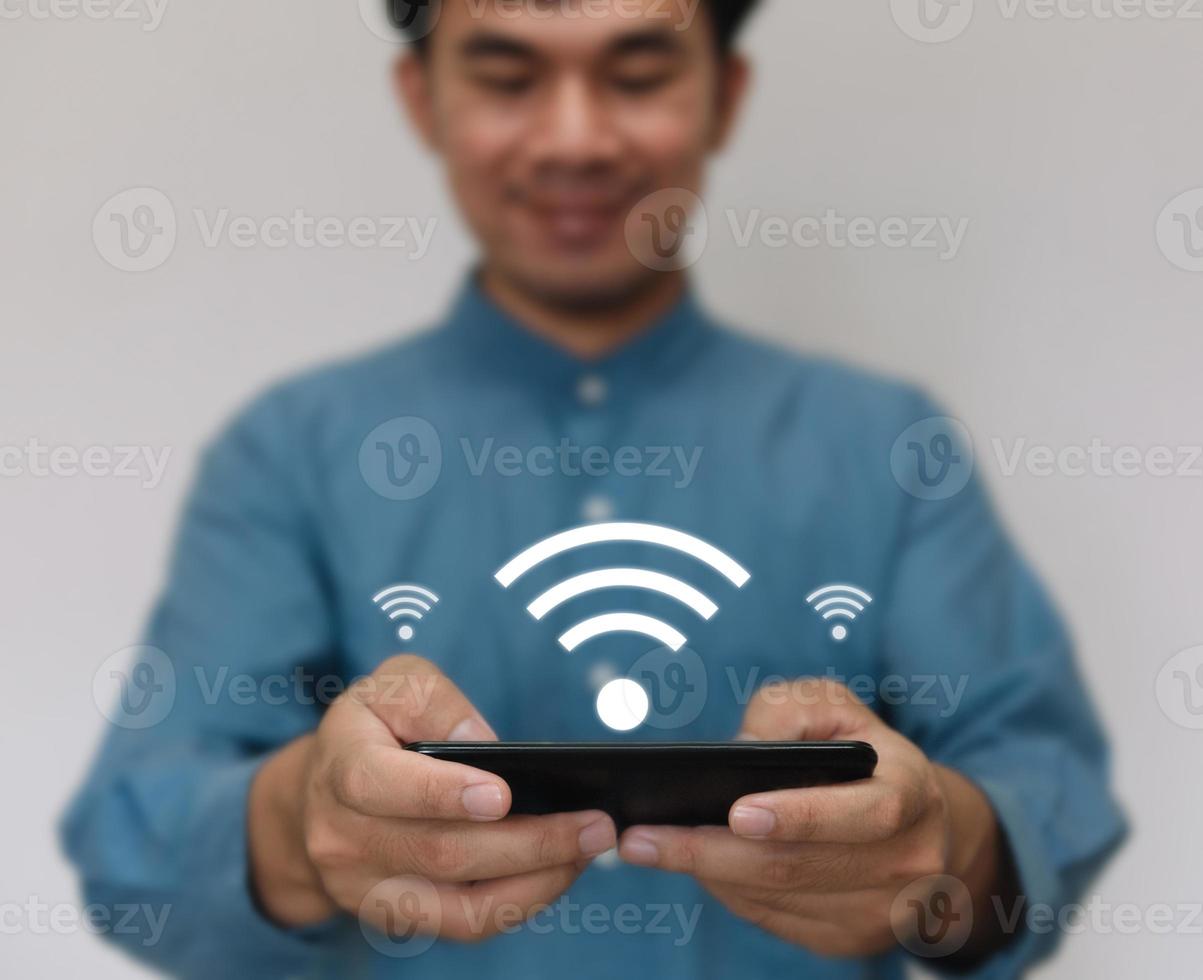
(555, 119)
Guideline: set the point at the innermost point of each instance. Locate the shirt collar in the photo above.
(498, 345)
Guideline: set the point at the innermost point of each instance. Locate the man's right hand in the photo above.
(338, 814)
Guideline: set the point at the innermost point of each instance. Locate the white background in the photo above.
(1060, 321)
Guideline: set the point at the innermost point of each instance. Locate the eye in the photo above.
(505, 83)
(641, 83)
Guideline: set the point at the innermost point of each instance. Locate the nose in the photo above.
(575, 128)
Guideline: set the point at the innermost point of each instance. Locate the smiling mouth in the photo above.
(577, 222)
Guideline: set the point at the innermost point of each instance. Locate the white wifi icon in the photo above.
(839, 602)
(405, 602)
(623, 704)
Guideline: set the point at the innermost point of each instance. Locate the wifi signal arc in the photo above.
(841, 602)
(402, 601)
(630, 578)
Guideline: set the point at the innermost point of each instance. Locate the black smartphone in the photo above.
(689, 784)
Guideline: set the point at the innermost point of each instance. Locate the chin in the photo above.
(583, 286)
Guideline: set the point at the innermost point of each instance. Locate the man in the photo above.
(288, 837)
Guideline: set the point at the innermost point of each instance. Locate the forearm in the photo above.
(284, 880)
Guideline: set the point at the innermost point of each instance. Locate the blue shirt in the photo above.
(437, 460)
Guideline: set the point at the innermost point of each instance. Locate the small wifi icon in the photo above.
(405, 602)
(839, 602)
(623, 704)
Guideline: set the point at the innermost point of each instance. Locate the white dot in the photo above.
(406, 633)
(622, 705)
(839, 633)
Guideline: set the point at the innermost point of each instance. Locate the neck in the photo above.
(586, 332)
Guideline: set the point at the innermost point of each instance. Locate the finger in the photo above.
(811, 709)
(419, 703)
(381, 779)
(715, 854)
(474, 912)
(864, 812)
(458, 852)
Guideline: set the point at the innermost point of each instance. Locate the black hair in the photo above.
(412, 18)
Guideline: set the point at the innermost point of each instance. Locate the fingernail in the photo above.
(636, 849)
(484, 801)
(747, 737)
(472, 730)
(597, 838)
(753, 821)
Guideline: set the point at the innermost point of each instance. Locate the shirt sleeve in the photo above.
(1006, 707)
(240, 652)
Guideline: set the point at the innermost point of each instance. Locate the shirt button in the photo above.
(597, 510)
(592, 390)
